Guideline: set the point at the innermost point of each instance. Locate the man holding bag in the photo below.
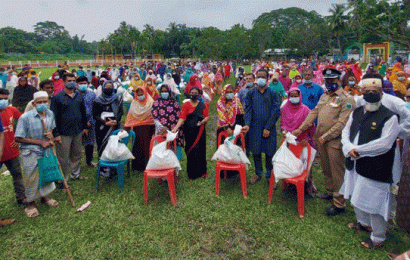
(34, 141)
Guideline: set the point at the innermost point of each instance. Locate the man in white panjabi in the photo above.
(369, 142)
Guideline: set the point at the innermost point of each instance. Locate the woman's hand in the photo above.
(229, 131)
(304, 143)
(174, 130)
(164, 130)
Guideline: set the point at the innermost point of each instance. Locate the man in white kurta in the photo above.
(368, 141)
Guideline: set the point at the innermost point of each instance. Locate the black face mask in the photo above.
(108, 92)
(372, 97)
(194, 97)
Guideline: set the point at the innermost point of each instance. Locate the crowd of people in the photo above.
(357, 120)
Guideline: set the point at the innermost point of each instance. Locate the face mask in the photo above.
(41, 108)
(331, 86)
(284, 75)
(56, 77)
(229, 96)
(141, 98)
(294, 100)
(108, 91)
(372, 97)
(1, 72)
(137, 78)
(11, 73)
(83, 88)
(168, 78)
(149, 83)
(352, 83)
(71, 85)
(249, 84)
(150, 73)
(402, 78)
(261, 82)
(4, 103)
(299, 81)
(165, 95)
(308, 81)
(33, 77)
(194, 97)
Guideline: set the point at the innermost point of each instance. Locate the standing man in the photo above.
(310, 91)
(80, 71)
(250, 84)
(261, 113)
(88, 73)
(47, 86)
(332, 113)
(11, 149)
(71, 123)
(3, 77)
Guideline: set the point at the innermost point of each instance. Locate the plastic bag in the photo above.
(163, 158)
(48, 170)
(285, 163)
(116, 151)
(229, 152)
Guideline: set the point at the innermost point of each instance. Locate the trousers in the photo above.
(69, 155)
(375, 221)
(14, 167)
(257, 158)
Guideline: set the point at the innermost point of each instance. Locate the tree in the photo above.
(337, 22)
(49, 30)
(387, 20)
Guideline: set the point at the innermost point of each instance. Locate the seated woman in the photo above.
(166, 113)
(151, 88)
(194, 116)
(230, 111)
(135, 82)
(352, 88)
(293, 113)
(140, 120)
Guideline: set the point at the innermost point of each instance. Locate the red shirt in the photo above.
(95, 82)
(187, 109)
(7, 117)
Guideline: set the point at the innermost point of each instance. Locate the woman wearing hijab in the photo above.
(230, 111)
(166, 112)
(151, 76)
(136, 82)
(293, 113)
(140, 120)
(188, 74)
(194, 116)
(351, 87)
(169, 81)
(206, 82)
(218, 81)
(23, 94)
(193, 82)
(400, 85)
(388, 87)
(151, 88)
(297, 81)
(107, 113)
(346, 78)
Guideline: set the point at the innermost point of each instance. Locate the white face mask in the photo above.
(299, 81)
(294, 100)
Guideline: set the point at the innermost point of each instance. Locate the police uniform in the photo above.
(332, 113)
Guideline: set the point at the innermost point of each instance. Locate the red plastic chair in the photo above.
(169, 174)
(298, 181)
(223, 166)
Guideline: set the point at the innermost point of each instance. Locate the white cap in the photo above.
(40, 94)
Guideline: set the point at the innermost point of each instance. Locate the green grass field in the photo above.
(202, 225)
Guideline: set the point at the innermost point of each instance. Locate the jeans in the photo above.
(257, 158)
(89, 150)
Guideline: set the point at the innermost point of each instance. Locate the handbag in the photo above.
(48, 169)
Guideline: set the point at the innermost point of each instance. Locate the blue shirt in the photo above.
(30, 126)
(3, 78)
(80, 73)
(70, 114)
(311, 95)
(261, 112)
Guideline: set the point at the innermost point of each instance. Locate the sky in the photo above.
(97, 18)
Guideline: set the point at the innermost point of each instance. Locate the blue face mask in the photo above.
(229, 96)
(331, 86)
(42, 107)
(71, 85)
(261, 82)
(82, 88)
(141, 98)
(249, 84)
(4, 103)
(164, 95)
(308, 81)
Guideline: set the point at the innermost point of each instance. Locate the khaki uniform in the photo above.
(332, 113)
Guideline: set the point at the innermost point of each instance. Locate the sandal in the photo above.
(392, 256)
(81, 178)
(358, 226)
(369, 244)
(6, 222)
(50, 202)
(32, 213)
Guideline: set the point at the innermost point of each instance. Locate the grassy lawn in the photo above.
(202, 225)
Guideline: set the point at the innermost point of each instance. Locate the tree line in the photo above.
(298, 31)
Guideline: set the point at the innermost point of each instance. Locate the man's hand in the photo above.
(46, 144)
(58, 139)
(245, 129)
(49, 135)
(266, 133)
(15, 145)
(89, 124)
(354, 154)
(297, 132)
(85, 132)
(321, 141)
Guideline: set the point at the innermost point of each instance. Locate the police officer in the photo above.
(332, 113)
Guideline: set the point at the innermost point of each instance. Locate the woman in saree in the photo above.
(139, 119)
(230, 111)
(193, 117)
(166, 113)
(207, 87)
(218, 81)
